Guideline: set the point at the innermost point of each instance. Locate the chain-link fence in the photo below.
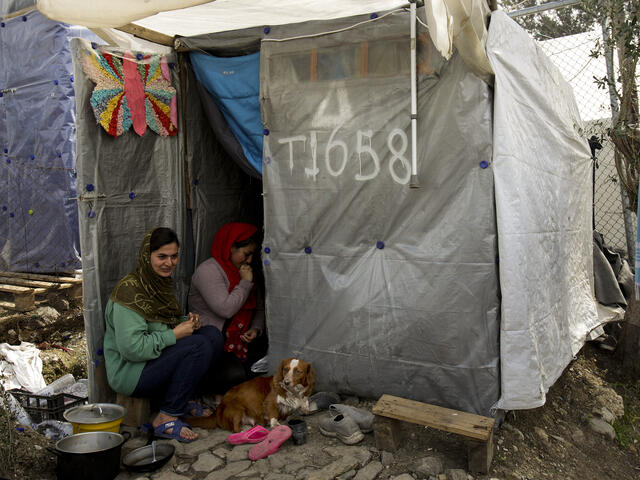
(573, 55)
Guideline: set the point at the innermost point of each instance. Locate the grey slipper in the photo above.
(321, 401)
(363, 418)
(341, 426)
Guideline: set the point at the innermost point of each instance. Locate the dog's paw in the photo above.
(304, 408)
(274, 422)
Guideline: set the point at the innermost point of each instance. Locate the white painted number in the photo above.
(399, 155)
(360, 149)
(327, 153)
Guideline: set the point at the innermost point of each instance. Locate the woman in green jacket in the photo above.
(151, 350)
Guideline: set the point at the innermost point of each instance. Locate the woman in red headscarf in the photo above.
(224, 293)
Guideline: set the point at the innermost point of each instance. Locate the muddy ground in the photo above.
(554, 441)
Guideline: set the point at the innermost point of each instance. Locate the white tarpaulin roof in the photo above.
(458, 22)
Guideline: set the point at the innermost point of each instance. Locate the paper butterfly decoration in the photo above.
(130, 92)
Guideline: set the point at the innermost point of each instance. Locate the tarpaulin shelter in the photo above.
(38, 208)
(473, 290)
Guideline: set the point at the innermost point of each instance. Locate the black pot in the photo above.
(89, 456)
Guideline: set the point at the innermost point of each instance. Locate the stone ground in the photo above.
(589, 428)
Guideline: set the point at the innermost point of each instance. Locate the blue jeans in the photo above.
(175, 374)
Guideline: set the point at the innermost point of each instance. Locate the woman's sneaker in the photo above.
(363, 419)
(341, 426)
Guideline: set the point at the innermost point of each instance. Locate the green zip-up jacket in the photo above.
(129, 342)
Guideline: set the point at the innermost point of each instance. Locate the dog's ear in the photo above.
(279, 376)
(311, 379)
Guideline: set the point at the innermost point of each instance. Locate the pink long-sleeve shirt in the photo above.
(209, 296)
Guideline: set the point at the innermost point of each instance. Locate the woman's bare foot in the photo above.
(185, 433)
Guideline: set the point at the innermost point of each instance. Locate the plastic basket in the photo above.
(42, 407)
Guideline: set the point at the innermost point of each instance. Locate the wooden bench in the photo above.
(391, 411)
(23, 288)
(138, 410)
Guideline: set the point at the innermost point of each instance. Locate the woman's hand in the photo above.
(246, 272)
(196, 320)
(186, 328)
(250, 335)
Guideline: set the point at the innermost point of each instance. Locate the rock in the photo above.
(603, 428)
(169, 476)
(279, 476)
(215, 438)
(293, 467)
(47, 314)
(351, 400)
(510, 428)
(262, 466)
(429, 466)
(362, 454)
(369, 471)
(347, 475)
(404, 476)
(334, 469)
(604, 414)
(239, 452)
(560, 439)
(183, 468)
(277, 461)
(577, 436)
(387, 458)
(207, 462)
(305, 472)
(221, 452)
(606, 397)
(229, 471)
(252, 471)
(541, 434)
(456, 474)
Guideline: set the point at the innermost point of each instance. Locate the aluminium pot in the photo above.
(95, 417)
(89, 456)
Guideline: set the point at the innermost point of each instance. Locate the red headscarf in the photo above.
(229, 234)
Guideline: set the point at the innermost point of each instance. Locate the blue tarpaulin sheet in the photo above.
(234, 84)
(38, 207)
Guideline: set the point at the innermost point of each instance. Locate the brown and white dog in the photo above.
(264, 400)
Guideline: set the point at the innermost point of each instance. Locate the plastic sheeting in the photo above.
(38, 211)
(234, 84)
(542, 169)
(129, 185)
(385, 289)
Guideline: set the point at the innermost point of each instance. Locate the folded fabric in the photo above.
(271, 444)
(253, 435)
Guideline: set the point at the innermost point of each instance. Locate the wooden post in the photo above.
(138, 410)
(388, 433)
(25, 301)
(480, 455)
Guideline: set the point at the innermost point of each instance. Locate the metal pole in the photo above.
(628, 215)
(543, 7)
(413, 181)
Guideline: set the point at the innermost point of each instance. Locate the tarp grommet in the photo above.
(373, 16)
(4, 208)
(139, 56)
(63, 264)
(1, 94)
(24, 18)
(267, 30)
(484, 164)
(267, 262)
(267, 250)
(267, 160)
(196, 181)
(380, 245)
(307, 250)
(12, 214)
(266, 131)
(90, 187)
(132, 195)
(32, 157)
(8, 160)
(6, 150)
(91, 214)
(94, 45)
(2, 25)
(100, 352)
(37, 265)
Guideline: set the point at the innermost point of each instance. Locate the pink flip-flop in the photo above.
(271, 444)
(253, 435)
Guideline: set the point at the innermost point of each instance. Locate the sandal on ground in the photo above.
(176, 427)
(271, 444)
(253, 435)
(194, 409)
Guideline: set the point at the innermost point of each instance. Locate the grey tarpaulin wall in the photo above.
(150, 167)
(419, 317)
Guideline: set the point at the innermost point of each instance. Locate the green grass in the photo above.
(627, 427)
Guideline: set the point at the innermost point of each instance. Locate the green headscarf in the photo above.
(147, 293)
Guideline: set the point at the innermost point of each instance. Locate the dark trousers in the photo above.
(229, 370)
(173, 377)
